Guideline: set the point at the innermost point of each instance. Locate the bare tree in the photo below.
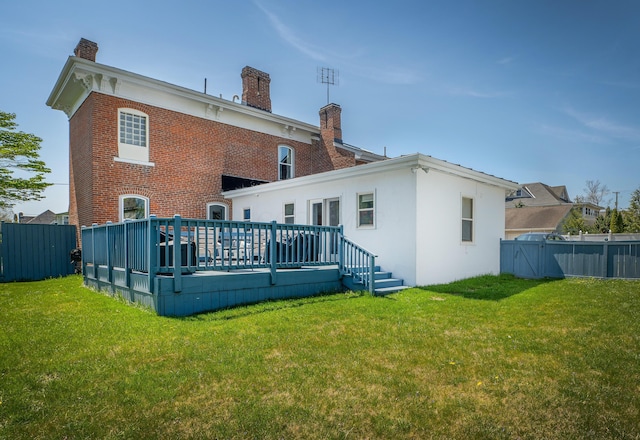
(595, 193)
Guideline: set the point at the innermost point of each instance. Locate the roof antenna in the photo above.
(329, 77)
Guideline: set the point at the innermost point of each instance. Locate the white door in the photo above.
(324, 212)
(316, 212)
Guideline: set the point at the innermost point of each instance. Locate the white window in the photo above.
(289, 213)
(217, 211)
(285, 163)
(133, 135)
(133, 207)
(366, 210)
(246, 214)
(467, 219)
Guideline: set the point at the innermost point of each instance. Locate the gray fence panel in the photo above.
(522, 258)
(35, 252)
(555, 259)
(623, 260)
(561, 259)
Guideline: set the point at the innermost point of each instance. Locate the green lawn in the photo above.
(491, 357)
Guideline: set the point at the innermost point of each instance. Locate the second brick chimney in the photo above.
(86, 49)
(330, 123)
(331, 134)
(255, 89)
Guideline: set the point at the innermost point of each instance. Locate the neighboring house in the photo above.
(537, 194)
(47, 217)
(536, 207)
(427, 220)
(138, 145)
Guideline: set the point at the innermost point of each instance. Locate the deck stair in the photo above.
(385, 284)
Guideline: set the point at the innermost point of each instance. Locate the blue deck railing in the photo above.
(177, 246)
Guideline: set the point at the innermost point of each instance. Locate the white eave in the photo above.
(80, 77)
(413, 162)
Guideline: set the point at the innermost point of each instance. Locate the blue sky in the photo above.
(530, 91)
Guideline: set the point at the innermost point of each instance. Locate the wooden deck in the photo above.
(219, 264)
(212, 290)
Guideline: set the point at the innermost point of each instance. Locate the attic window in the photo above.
(133, 129)
(133, 139)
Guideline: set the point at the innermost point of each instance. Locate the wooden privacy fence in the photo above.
(560, 259)
(177, 247)
(35, 252)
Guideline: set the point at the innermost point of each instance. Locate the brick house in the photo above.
(140, 146)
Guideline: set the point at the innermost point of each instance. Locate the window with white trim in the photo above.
(366, 210)
(133, 207)
(217, 211)
(467, 219)
(133, 135)
(289, 213)
(285, 163)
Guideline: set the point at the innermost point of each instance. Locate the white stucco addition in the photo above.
(418, 215)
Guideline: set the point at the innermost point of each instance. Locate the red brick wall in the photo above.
(190, 155)
(81, 165)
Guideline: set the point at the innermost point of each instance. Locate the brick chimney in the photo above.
(330, 125)
(331, 134)
(255, 89)
(86, 49)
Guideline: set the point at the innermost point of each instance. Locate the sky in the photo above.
(530, 91)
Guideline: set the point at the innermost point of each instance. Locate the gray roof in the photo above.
(48, 217)
(539, 194)
(536, 217)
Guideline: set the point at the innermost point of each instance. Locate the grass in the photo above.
(490, 357)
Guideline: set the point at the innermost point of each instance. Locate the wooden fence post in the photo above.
(83, 260)
(605, 263)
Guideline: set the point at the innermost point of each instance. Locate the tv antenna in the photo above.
(329, 77)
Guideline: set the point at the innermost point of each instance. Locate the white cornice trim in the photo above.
(80, 77)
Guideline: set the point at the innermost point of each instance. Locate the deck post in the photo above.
(108, 250)
(153, 249)
(127, 269)
(372, 272)
(341, 250)
(177, 254)
(93, 251)
(272, 251)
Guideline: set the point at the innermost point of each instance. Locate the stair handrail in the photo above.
(357, 262)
